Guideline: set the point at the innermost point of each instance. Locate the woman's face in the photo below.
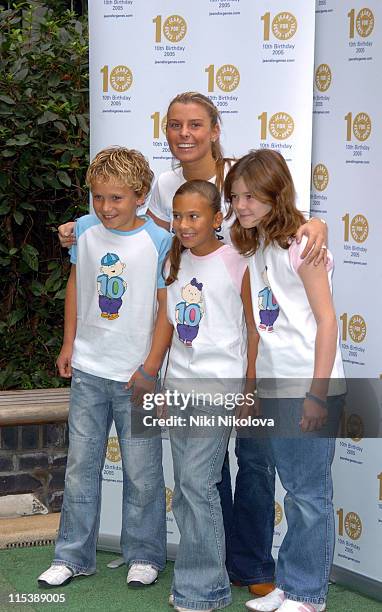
(189, 132)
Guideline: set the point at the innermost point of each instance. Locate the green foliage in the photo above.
(43, 155)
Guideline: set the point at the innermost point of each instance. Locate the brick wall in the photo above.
(33, 460)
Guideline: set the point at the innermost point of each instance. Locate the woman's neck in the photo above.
(203, 169)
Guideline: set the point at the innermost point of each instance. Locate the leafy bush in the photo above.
(44, 154)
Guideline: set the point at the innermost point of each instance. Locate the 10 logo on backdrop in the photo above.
(364, 22)
(283, 27)
(111, 471)
(173, 28)
(358, 229)
(280, 126)
(351, 524)
(162, 150)
(322, 81)
(119, 79)
(320, 181)
(320, 177)
(361, 25)
(352, 427)
(355, 327)
(359, 127)
(227, 79)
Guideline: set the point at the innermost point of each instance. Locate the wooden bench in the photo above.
(34, 407)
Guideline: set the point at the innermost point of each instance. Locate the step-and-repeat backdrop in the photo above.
(279, 72)
(346, 188)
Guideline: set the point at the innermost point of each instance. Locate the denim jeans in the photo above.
(226, 500)
(250, 538)
(303, 462)
(200, 576)
(94, 403)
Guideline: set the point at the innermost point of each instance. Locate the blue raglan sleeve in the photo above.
(163, 250)
(81, 225)
(74, 249)
(162, 241)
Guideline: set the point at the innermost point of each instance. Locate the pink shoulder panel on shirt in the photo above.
(236, 265)
(295, 251)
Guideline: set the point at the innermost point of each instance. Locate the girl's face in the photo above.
(189, 132)
(194, 223)
(249, 211)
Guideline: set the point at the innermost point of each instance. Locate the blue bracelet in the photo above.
(145, 375)
(316, 399)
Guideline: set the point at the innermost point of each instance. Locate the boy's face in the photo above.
(115, 204)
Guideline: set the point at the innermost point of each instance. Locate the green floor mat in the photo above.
(107, 590)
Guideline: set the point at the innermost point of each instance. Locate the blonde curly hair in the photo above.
(127, 166)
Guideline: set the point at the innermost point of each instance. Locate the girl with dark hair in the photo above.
(213, 349)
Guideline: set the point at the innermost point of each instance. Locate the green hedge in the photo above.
(44, 133)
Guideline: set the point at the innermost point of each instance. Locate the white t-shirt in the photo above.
(204, 305)
(117, 276)
(286, 324)
(160, 203)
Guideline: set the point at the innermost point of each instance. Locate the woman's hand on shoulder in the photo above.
(157, 221)
(66, 234)
(315, 249)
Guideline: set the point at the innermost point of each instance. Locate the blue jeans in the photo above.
(200, 576)
(94, 403)
(250, 538)
(303, 462)
(225, 493)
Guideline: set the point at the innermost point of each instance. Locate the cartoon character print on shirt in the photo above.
(268, 307)
(110, 286)
(188, 313)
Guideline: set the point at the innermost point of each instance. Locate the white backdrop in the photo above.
(257, 62)
(238, 52)
(346, 187)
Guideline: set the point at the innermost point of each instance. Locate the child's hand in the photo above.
(162, 412)
(64, 361)
(250, 407)
(314, 416)
(66, 234)
(247, 410)
(140, 386)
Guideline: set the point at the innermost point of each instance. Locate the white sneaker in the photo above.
(300, 606)
(58, 575)
(269, 603)
(140, 575)
(171, 600)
